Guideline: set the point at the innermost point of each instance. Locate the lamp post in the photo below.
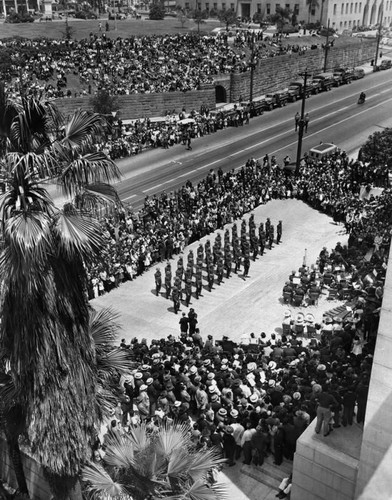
(301, 124)
(326, 49)
(378, 37)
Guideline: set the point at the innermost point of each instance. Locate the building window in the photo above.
(360, 7)
(356, 7)
(232, 7)
(341, 24)
(345, 24)
(351, 8)
(199, 6)
(207, 6)
(186, 5)
(342, 12)
(296, 9)
(268, 7)
(313, 11)
(287, 6)
(334, 9)
(349, 24)
(259, 8)
(277, 7)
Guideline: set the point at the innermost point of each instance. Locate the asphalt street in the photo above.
(335, 117)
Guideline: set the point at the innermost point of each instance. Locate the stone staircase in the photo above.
(269, 474)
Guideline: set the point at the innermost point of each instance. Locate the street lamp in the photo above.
(301, 124)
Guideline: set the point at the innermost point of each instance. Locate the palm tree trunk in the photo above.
(16, 459)
(63, 487)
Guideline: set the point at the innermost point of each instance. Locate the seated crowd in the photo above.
(132, 65)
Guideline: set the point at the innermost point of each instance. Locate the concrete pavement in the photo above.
(239, 305)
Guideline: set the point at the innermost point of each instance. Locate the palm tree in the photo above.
(45, 336)
(110, 362)
(157, 463)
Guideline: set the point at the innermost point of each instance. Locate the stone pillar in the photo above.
(377, 435)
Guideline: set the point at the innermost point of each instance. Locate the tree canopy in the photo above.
(378, 148)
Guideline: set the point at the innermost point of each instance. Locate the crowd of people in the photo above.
(254, 398)
(132, 137)
(132, 65)
(170, 221)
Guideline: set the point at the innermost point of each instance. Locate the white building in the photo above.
(341, 14)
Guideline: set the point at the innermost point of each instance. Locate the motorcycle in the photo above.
(361, 99)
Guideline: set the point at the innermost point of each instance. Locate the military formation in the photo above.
(215, 261)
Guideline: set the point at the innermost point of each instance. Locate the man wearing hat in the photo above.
(229, 445)
(158, 281)
(143, 403)
(238, 431)
(279, 230)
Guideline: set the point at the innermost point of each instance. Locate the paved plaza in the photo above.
(239, 305)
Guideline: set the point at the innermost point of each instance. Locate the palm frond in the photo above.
(171, 437)
(100, 485)
(29, 237)
(79, 234)
(119, 451)
(202, 461)
(200, 490)
(80, 125)
(179, 463)
(94, 195)
(104, 326)
(89, 169)
(115, 359)
(139, 437)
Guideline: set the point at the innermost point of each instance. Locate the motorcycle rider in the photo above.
(362, 97)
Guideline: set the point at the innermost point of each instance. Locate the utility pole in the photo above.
(252, 68)
(326, 49)
(301, 124)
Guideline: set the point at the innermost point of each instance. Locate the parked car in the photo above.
(386, 64)
(326, 80)
(358, 73)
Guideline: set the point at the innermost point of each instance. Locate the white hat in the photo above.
(287, 314)
(138, 375)
(271, 383)
(143, 387)
(253, 398)
(193, 369)
(272, 365)
(234, 413)
(211, 375)
(212, 388)
(222, 412)
(177, 404)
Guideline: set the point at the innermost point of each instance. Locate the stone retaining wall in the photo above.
(271, 74)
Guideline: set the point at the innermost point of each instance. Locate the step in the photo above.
(257, 474)
(268, 474)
